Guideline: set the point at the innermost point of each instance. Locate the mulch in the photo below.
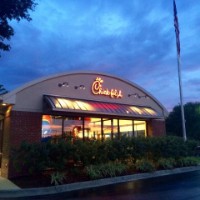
(44, 180)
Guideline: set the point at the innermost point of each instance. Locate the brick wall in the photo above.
(5, 146)
(158, 127)
(20, 126)
(25, 126)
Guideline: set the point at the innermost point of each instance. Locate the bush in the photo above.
(57, 178)
(188, 161)
(140, 153)
(110, 169)
(166, 163)
(37, 157)
(144, 165)
(93, 172)
(169, 147)
(192, 147)
(32, 158)
(138, 147)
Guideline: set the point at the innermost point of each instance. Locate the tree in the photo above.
(2, 90)
(192, 117)
(9, 10)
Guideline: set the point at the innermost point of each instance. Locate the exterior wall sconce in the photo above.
(81, 87)
(64, 84)
(138, 96)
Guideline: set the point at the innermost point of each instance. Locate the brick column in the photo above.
(157, 127)
(19, 126)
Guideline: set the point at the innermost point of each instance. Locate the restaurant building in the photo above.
(86, 105)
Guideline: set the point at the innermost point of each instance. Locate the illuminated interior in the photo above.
(91, 128)
(112, 120)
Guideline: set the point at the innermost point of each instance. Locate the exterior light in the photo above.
(138, 96)
(135, 95)
(81, 87)
(64, 84)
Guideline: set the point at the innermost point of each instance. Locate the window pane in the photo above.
(73, 126)
(93, 128)
(51, 126)
(126, 128)
(107, 128)
(140, 128)
(115, 128)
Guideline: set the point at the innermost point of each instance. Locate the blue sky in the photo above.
(132, 39)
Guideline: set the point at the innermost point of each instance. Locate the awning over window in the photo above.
(93, 107)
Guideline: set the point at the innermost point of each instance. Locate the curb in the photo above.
(92, 184)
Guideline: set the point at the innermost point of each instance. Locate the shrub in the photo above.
(188, 161)
(192, 147)
(140, 153)
(90, 152)
(32, 158)
(138, 147)
(93, 172)
(57, 178)
(37, 157)
(166, 163)
(169, 147)
(57, 155)
(145, 165)
(110, 169)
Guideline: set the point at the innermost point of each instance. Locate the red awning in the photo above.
(63, 104)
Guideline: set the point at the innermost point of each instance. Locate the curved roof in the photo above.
(11, 96)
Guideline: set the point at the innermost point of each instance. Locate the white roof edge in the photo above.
(10, 96)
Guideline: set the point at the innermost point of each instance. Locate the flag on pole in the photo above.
(176, 25)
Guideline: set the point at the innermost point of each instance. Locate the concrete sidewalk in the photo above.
(5, 184)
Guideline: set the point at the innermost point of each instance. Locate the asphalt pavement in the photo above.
(179, 183)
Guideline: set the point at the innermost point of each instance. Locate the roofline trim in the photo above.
(39, 80)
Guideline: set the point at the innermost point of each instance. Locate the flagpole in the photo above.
(176, 25)
(181, 98)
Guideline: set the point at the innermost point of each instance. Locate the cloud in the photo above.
(131, 39)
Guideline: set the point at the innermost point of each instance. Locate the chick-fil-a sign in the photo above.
(98, 89)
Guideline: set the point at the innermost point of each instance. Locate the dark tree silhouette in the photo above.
(12, 10)
(192, 118)
(2, 90)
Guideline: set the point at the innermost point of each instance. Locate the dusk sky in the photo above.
(132, 39)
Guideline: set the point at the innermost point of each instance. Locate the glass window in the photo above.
(126, 128)
(93, 128)
(140, 128)
(107, 128)
(115, 128)
(51, 126)
(73, 126)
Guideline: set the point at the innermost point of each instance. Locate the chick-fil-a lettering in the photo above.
(98, 89)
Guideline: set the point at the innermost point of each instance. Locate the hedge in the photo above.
(58, 156)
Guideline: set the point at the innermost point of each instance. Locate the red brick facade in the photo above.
(21, 126)
(158, 127)
(25, 126)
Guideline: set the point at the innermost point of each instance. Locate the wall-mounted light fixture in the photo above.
(136, 95)
(64, 84)
(81, 87)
